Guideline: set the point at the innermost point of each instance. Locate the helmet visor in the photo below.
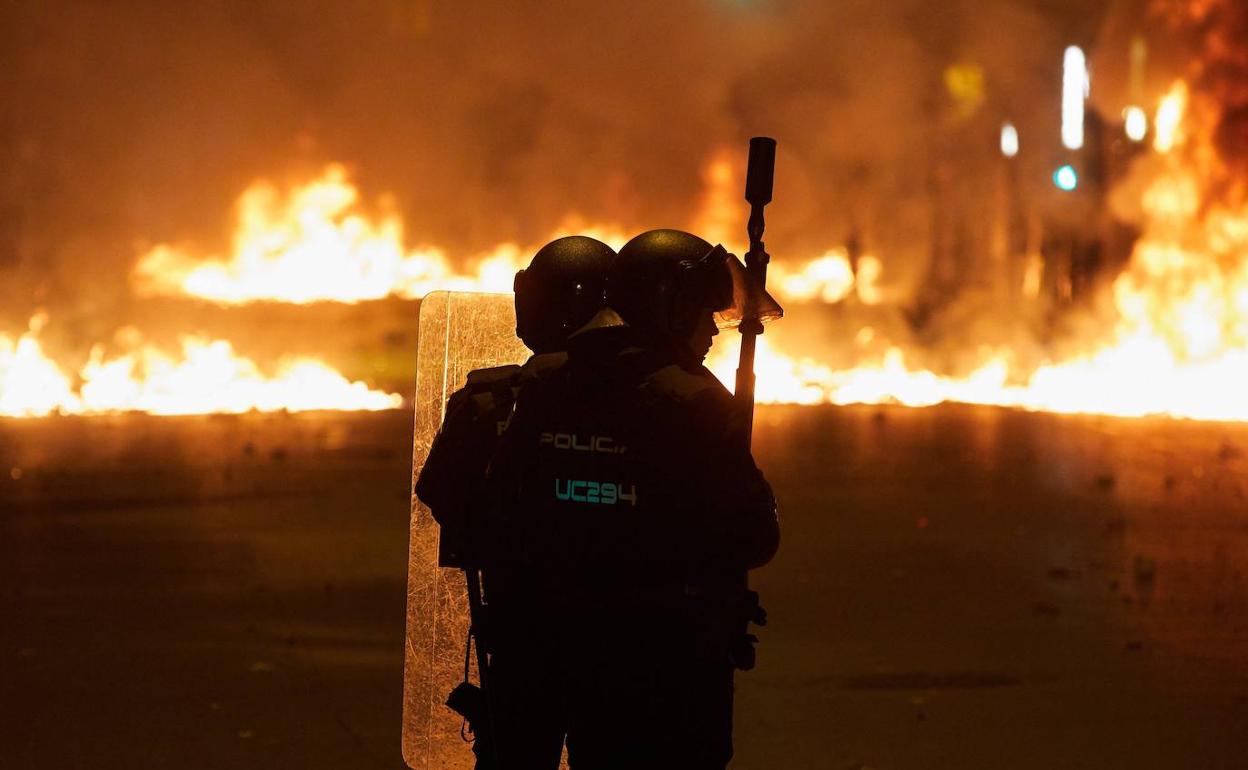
(740, 297)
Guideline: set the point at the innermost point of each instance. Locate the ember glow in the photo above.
(207, 376)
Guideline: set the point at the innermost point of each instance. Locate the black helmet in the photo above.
(560, 290)
(664, 281)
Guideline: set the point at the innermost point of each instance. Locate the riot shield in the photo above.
(458, 332)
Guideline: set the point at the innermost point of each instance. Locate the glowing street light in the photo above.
(1076, 86)
(1066, 178)
(1135, 123)
(1009, 140)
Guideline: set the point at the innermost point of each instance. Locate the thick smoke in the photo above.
(1218, 31)
(134, 122)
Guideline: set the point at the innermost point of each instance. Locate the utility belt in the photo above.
(717, 620)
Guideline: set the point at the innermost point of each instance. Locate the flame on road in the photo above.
(1179, 346)
(1135, 379)
(208, 376)
(31, 384)
(315, 243)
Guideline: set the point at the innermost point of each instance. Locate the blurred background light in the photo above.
(1009, 140)
(1076, 86)
(1135, 123)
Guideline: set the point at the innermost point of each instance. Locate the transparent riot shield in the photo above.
(458, 332)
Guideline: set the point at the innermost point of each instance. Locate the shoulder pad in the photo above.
(540, 365)
(480, 380)
(485, 393)
(680, 384)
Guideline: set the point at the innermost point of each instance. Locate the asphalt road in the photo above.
(958, 588)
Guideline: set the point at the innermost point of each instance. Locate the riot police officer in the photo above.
(627, 508)
(560, 290)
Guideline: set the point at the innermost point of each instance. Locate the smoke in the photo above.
(129, 123)
(1217, 31)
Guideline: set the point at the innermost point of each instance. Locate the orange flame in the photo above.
(208, 377)
(315, 244)
(30, 383)
(1178, 346)
(1168, 124)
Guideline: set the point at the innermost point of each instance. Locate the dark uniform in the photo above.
(626, 509)
(455, 467)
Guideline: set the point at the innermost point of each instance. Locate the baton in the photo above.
(476, 624)
(759, 175)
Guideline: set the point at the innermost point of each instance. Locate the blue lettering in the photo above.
(596, 492)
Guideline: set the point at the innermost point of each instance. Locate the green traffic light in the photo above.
(1066, 178)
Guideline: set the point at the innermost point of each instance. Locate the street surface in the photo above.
(958, 587)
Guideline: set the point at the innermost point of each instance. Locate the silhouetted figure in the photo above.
(626, 511)
(562, 288)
